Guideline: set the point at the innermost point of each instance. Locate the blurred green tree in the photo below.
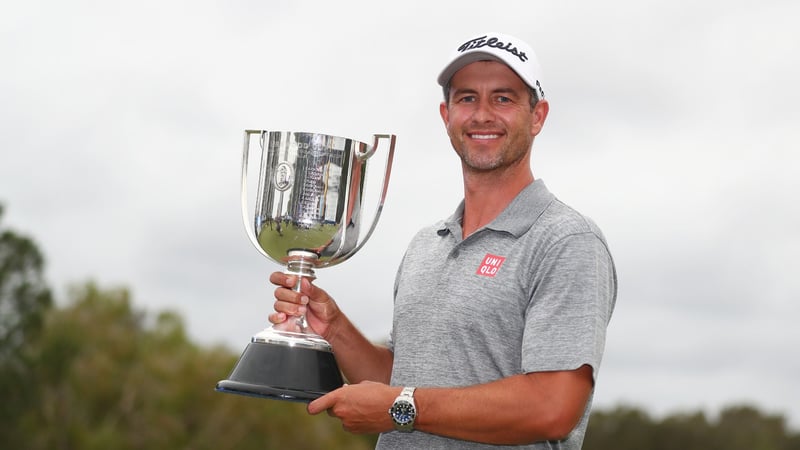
(24, 300)
(621, 428)
(745, 427)
(110, 377)
(738, 428)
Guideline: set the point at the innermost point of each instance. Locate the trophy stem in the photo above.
(301, 264)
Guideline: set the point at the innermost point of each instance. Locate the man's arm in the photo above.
(358, 358)
(520, 409)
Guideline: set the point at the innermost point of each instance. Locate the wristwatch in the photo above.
(404, 411)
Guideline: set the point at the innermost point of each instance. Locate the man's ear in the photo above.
(539, 116)
(444, 113)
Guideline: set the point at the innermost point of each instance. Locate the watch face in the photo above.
(403, 412)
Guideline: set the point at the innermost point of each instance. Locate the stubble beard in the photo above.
(480, 161)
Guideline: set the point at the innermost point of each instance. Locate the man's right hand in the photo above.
(320, 309)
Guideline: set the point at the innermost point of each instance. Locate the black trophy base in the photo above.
(281, 372)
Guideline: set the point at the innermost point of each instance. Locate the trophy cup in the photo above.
(307, 216)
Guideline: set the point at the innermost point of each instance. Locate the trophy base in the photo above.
(283, 370)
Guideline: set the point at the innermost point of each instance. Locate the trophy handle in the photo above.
(245, 215)
(387, 171)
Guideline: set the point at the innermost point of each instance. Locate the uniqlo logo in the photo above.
(490, 265)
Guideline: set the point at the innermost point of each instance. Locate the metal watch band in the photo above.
(408, 391)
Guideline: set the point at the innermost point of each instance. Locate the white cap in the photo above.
(506, 49)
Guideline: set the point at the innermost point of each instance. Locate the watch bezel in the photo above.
(404, 409)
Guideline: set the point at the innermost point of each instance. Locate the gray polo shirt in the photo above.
(531, 291)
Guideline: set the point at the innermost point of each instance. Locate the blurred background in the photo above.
(672, 125)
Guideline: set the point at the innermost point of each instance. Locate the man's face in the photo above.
(489, 117)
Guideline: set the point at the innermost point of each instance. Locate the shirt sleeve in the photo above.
(574, 292)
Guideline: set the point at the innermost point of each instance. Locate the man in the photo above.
(500, 311)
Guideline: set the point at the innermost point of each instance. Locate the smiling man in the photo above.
(500, 310)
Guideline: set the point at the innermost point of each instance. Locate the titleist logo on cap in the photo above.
(494, 43)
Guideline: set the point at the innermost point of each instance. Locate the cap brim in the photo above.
(463, 60)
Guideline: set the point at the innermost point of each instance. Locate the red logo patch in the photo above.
(490, 265)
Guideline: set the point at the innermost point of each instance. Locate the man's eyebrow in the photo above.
(500, 90)
(464, 91)
(505, 90)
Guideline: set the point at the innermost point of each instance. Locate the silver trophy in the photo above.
(308, 215)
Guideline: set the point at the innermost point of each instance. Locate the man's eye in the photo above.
(503, 99)
(467, 99)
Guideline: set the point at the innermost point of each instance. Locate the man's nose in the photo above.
(483, 111)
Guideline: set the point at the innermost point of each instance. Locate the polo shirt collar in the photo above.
(515, 219)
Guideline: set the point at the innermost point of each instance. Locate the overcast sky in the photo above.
(674, 125)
